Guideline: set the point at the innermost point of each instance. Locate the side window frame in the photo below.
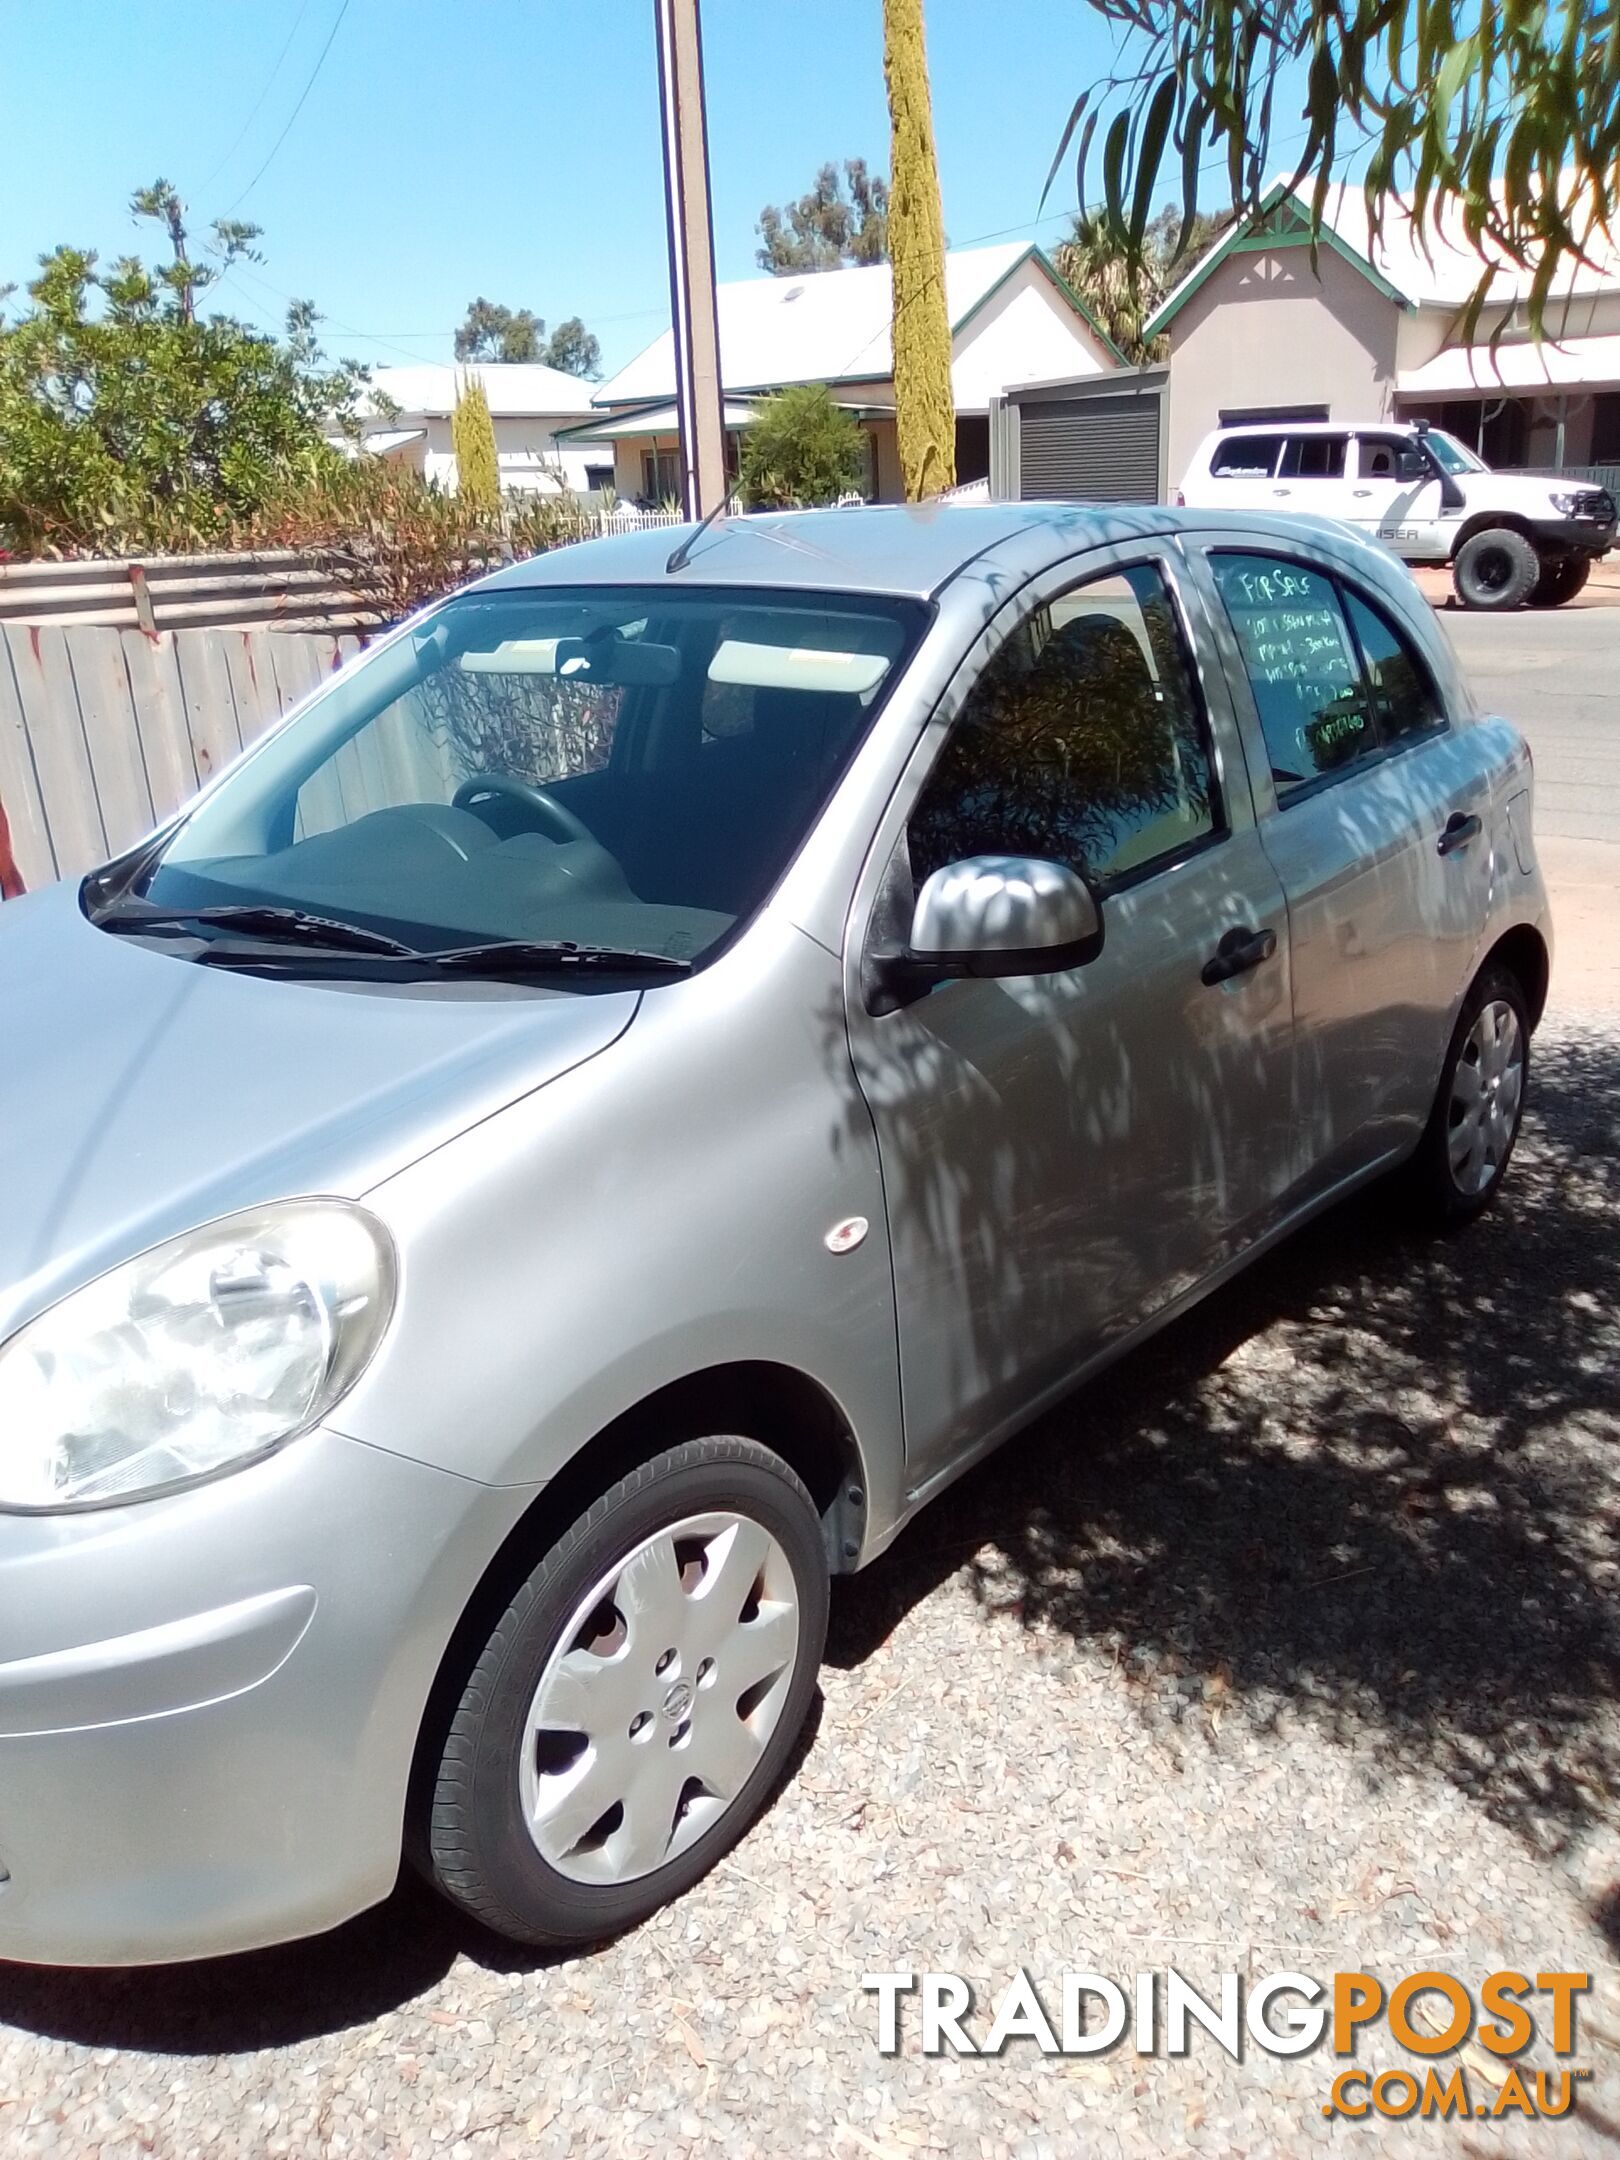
(1253, 732)
(1221, 824)
(873, 915)
(1296, 443)
(1231, 437)
(1425, 674)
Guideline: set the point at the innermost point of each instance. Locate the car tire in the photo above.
(1496, 569)
(620, 1732)
(1474, 1124)
(1561, 580)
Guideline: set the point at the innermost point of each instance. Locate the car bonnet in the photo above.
(142, 1094)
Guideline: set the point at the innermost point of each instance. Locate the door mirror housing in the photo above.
(990, 915)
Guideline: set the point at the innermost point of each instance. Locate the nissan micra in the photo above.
(620, 1099)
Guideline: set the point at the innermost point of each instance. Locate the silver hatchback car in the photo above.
(623, 1097)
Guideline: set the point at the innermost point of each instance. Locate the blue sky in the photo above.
(506, 147)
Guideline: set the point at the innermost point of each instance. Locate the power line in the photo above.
(297, 109)
(258, 102)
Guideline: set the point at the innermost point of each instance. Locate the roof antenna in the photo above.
(680, 555)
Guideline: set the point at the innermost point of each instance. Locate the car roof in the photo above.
(1316, 427)
(911, 551)
(900, 549)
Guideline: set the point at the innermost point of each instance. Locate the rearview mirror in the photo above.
(631, 662)
(990, 915)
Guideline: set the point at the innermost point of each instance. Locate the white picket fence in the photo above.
(104, 733)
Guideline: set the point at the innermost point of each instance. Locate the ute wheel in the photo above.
(1496, 569)
(638, 1700)
(1468, 1141)
(1561, 580)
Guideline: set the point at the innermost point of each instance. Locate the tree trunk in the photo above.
(925, 418)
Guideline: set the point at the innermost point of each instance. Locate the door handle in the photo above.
(1282, 491)
(1361, 491)
(1461, 827)
(1239, 950)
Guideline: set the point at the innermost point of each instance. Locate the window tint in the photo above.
(1404, 698)
(1314, 457)
(1390, 457)
(1301, 662)
(1246, 457)
(1082, 742)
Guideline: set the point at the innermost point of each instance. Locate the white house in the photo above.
(530, 406)
(1013, 320)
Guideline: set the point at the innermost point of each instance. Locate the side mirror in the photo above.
(990, 915)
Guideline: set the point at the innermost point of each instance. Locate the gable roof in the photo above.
(1407, 266)
(515, 389)
(1282, 221)
(828, 325)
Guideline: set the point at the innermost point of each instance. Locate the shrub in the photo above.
(801, 450)
(472, 435)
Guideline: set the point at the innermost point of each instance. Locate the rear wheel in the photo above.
(1468, 1142)
(1496, 569)
(1561, 580)
(638, 1701)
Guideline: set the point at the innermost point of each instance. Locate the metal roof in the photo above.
(515, 390)
(827, 326)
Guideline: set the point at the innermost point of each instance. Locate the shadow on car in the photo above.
(1371, 1481)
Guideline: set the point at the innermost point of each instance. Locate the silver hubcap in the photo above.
(1486, 1092)
(656, 1705)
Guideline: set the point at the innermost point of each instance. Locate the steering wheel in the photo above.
(503, 787)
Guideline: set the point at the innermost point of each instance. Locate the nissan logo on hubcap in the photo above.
(678, 1701)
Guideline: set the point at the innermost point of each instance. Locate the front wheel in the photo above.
(1495, 570)
(1468, 1142)
(638, 1701)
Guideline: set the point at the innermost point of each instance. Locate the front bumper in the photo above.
(1574, 535)
(209, 1703)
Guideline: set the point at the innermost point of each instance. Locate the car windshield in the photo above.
(613, 768)
(1451, 453)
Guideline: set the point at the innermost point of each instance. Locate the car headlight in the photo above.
(200, 1356)
(1565, 505)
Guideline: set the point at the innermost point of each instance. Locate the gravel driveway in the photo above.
(1292, 1644)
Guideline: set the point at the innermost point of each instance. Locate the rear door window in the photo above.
(1334, 681)
(1302, 666)
(1314, 457)
(1246, 457)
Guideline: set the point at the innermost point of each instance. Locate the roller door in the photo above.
(1093, 449)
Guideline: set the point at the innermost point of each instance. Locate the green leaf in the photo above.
(1076, 114)
(1149, 155)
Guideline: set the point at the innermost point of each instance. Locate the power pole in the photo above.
(699, 395)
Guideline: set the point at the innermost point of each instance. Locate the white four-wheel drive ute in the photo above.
(1512, 539)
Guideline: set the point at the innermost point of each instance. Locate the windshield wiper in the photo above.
(259, 919)
(526, 956)
(493, 956)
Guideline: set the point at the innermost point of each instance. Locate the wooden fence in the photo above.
(278, 589)
(104, 732)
